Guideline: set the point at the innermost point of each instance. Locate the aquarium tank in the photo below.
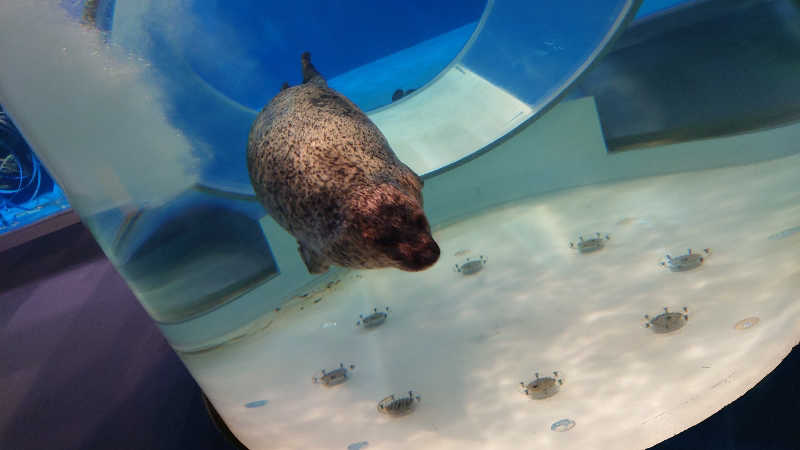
(612, 185)
(28, 193)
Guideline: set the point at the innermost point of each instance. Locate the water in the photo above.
(27, 192)
(465, 342)
(152, 157)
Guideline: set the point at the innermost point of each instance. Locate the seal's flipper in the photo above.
(284, 86)
(310, 74)
(315, 262)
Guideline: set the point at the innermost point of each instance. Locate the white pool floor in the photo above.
(464, 343)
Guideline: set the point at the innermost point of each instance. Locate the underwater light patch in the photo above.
(563, 425)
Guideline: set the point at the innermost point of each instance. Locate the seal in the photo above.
(327, 175)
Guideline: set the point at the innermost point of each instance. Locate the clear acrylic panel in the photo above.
(615, 201)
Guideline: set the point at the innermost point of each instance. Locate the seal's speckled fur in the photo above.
(327, 175)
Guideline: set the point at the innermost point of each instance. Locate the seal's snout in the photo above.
(416, 256)
(400, 231)
(424, 257)
(419, 251)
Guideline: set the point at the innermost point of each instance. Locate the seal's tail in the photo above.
(310, 73)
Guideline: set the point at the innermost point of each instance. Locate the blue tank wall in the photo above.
(341, 34)
(652, 6)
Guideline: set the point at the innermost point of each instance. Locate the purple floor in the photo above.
(82, 366)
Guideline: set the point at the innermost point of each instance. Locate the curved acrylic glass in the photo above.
(151, 153)
(553, 248)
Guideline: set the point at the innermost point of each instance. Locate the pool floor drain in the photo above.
(542, 387)
(747, 323)
(399, 406)
(471, 266)
(373, 319)
(590, 245)
(667, 321)
(256, 404)
(563, 425)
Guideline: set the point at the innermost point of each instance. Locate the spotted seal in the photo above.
(327, 175)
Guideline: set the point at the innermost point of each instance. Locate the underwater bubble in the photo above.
(256, 404)
(562, 425)
(749, 322)
(357, 445)
(328, 324)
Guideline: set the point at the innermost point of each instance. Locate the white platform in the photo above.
(465, 343)
(456, 115)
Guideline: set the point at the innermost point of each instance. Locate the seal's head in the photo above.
(392, 224)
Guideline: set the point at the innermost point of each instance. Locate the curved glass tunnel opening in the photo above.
(246, 50)
(655, 285)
